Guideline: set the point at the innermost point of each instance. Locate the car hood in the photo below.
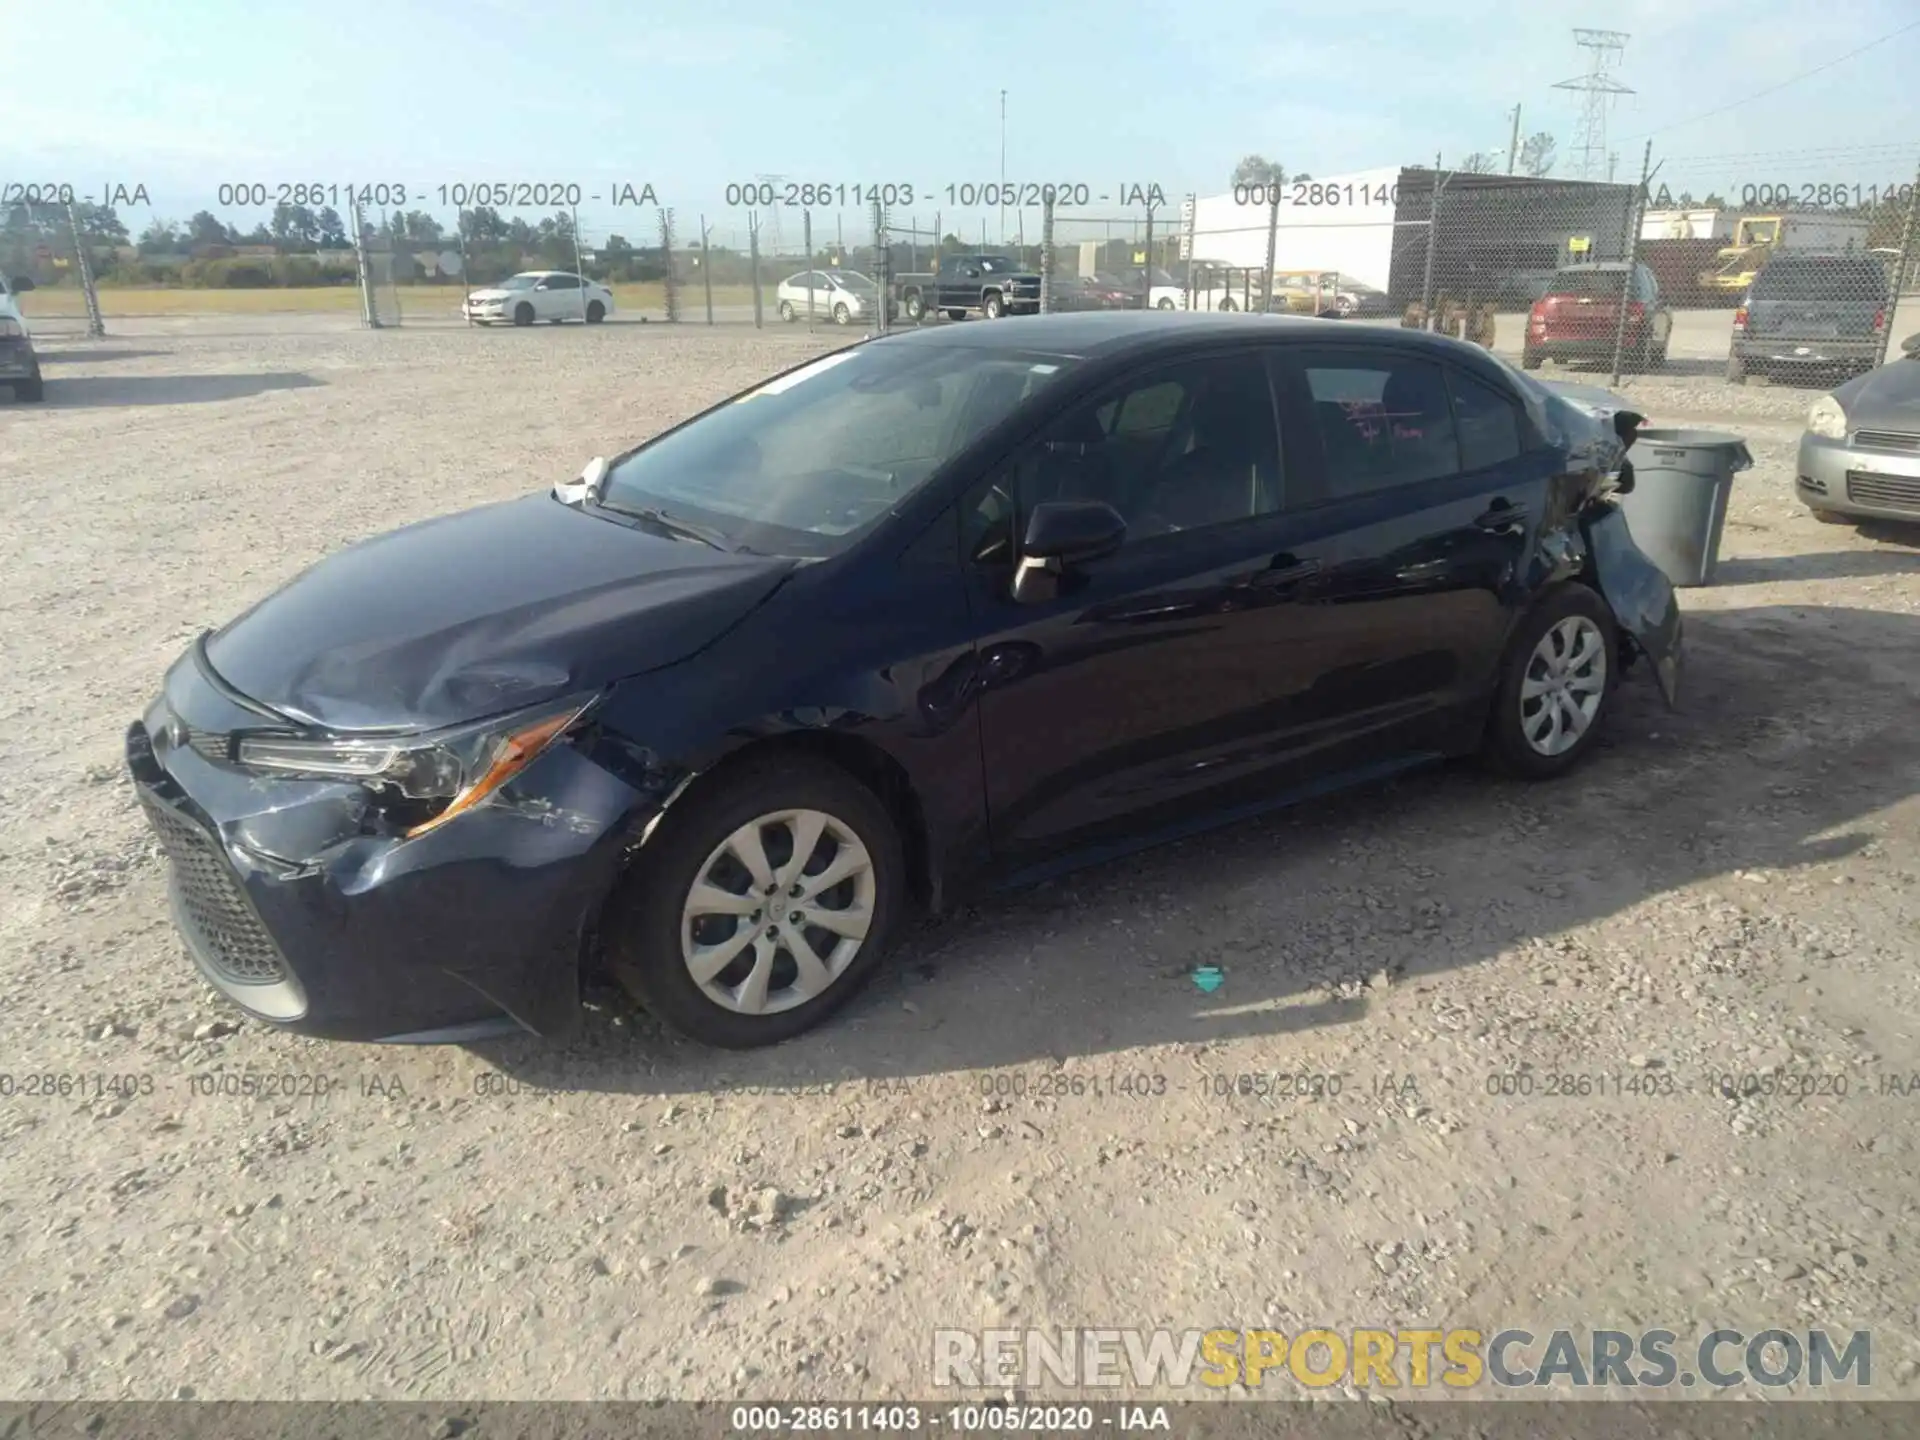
(494, 293)
(1887, 398)
(482, 612)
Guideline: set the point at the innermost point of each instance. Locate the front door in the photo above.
(1142, 689)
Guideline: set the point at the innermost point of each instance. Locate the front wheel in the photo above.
(1228, 304)
(1555, 685)
(787, 312)
(762, 907)
(1163, 304)
(842, 315)
(992, 306)
(523, 314)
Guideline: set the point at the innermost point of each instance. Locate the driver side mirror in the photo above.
(1626, 424)
(1061, 535)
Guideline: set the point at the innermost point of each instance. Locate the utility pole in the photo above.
(1513, 145)
(1003, 167)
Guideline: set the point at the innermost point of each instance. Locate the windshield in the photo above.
(1805, 281)
(520, 282)
(998, 264)
(802, 464)
(852, 279)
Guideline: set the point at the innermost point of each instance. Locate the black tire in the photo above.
(523, 314)
(1828, 517)
(1163, 303)
(1736, 371)
(956, 314)
(915, 305)
(1506, 746)
(30, 390)
(992, 306)
(596, 312)
(842, 315)
(1530, 360)
(787, 312)
(1227, 303)
(641, 929)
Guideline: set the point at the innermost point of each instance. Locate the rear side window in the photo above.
(1383, 421)
(1488, 422)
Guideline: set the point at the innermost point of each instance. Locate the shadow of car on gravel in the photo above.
(1797, 727)
(1824, 565)
(86, 355)
(79, 391)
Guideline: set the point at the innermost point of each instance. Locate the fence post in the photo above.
(1433, 235)
(1193, 238)
(878, 325)
(1904, 267)
(753, 263)
(706, 267)
(579, 261)
(1146, 273)
(806, 245)
(96, 327)
(1047, 196)
(1275, 183)
(670, 285)
(369, 311)
(1633, 256)
(466, 268)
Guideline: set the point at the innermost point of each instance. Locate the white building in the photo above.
(1707, 223)
(1341, 223)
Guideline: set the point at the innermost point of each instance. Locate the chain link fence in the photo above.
(1788, 267)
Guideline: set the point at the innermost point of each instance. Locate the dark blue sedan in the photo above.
(954, 608)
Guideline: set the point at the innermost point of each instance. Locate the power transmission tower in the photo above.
(770, 227)
(1599, 86)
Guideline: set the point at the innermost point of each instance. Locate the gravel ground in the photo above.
(1728, 891)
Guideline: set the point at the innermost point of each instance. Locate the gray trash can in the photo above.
(1682, 481)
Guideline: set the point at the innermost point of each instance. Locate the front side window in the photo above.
(1180, 447)
(1383, 421)
(804, 463)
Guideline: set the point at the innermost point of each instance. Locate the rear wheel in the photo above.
(956, 314)
(763, 907)
(30, 390)
(1163, 304)
(596, 312)
(787, 312)
(1228, 303)
(1530, 360)
(1555, 685)
(915, 305)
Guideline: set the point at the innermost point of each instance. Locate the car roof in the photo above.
(1106, 334)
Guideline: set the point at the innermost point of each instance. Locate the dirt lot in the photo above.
(1729, 891)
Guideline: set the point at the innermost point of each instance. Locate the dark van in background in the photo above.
(1812, 317)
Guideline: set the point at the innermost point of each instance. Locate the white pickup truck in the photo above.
(19, 366)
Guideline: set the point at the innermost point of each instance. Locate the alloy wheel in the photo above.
(777, 912)
(1565, 683)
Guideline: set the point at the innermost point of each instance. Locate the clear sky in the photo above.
(187, 94)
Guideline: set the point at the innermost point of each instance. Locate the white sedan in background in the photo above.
(551, 295)
(842, 296)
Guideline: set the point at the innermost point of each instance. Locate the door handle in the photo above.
(1501, 517)
(1288, 574)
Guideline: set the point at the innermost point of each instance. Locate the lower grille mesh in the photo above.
(235, 942)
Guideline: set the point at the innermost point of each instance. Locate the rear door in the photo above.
(1419, 500)
(561, 297)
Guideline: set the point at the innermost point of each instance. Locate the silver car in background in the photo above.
(842, 296)
(1860, 455)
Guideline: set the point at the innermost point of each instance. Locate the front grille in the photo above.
(232, 938)
(1901, 440)
(1890, 492)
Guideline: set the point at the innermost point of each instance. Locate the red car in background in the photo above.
(1578, 318)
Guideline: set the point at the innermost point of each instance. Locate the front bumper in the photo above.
(1585, 347)
(1850, 479)
(301, 906)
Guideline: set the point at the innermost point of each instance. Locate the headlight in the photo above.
(431, 778)
(1827, 419)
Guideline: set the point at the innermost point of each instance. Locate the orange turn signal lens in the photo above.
(512, 754)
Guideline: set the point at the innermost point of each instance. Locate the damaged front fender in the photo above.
(1641, 596)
